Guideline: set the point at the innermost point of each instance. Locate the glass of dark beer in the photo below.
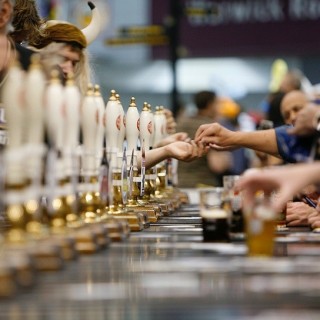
(215, 222)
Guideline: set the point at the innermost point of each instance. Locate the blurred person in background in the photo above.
(210, 169)
(290, 80)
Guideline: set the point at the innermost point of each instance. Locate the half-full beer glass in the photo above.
(214, 216)
(260, 224)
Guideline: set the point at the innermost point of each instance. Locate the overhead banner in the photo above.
(211, 28)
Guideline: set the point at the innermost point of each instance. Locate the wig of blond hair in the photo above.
(26, 22)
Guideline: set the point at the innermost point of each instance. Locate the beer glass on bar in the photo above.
(214, 216)
(234, 203)
(260, 228)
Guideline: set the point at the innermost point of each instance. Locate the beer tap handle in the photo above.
(113, 124)
(72, 124)
(145, 126)
(55, 111)
(12, 98)
(122, 131)
(12, 94)
(132, 125)
(34, 98)
(158, 127)
(89, 124)
(151, 121)
(100, 125)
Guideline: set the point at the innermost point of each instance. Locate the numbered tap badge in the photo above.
(118, 122)
(150, 127)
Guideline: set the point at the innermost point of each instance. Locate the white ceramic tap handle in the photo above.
(122, 131)
(151, 119)
(54, 111)
(12, 98)
(89, 124)
(113, 122)
(34, 97)
(132, 126)
(158, 126)
(72, 115)
(145, 126)
(100, 125)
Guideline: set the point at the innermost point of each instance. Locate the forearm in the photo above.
(153, 157)
(307, 173)
(263, 141)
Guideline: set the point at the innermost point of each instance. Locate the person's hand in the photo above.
(184, 151)
(304, 124)
(314, 219)
(286, 180)
(179, 136)
(297, 213)
(215, 136)
(171, 122)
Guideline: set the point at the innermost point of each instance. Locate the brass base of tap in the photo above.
(86, 241)
(118, 230)
(136, 221)
(151, 213)
(67, 245)
(165, 206)
(101, 233)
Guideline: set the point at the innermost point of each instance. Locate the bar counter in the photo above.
(167, 272)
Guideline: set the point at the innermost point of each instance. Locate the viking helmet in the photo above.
(63, 31)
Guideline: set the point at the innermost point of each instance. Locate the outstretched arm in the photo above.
(220, 138)
(179, 136)
(179, 150)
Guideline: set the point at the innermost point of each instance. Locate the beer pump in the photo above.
(22, 227)
(146, 129)
(100, 117)
(34, 143)
(90, 202)
(117, 230)
(161, 172)
(120, 176)
(72, 101)
(57, 208)
(114, 122)
(15, 215)
(132, 136)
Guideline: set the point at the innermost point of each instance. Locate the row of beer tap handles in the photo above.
(35, 107)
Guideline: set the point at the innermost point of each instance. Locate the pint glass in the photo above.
(214, 216)
(234, 201)
(260, 229)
